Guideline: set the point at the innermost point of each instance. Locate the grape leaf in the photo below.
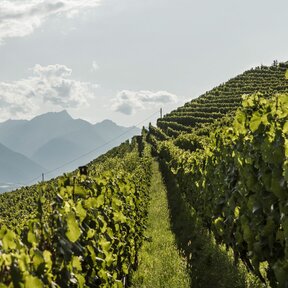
(73, 231)
(31, 281)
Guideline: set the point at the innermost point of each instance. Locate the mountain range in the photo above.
(53, 143)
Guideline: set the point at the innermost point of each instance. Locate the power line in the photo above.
(93, 150)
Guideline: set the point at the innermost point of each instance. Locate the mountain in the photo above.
(16, 169)
(9, 127)
(108, 129)
(27, 137)
(56, 152)
(60, 143)
(81, 146)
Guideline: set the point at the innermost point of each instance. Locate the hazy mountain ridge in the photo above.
(16, 169)
(31, 135)
(52, 140)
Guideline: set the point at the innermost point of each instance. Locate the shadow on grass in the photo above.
(208, 265)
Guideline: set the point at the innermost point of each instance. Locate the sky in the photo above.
(124, 59)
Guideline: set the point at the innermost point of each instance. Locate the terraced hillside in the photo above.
(224, 99)
(227, 151)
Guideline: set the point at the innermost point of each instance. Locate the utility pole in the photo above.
(161, 113)
(42, 177)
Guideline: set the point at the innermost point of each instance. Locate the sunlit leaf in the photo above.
(31, 281)
(100, 200)
(9, 240)
(80, 211)
(76, 263)
(90, 203)
(23, 262)
(73, 231)
(255, 121)
(31, 237)
(119, 217)
(79, 191)
(81, 280)
(47, 258)
(38, 259)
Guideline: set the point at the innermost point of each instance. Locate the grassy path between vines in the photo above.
(160, 264)
(209, 265)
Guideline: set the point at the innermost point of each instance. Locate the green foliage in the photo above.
(224, 99)
(190, 141)
(238, 183)
(88, 233)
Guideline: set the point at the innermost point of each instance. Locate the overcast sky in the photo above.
(124, 59)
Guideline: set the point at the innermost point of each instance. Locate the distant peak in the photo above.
(106, 123)
(109, 124)
(64, 113)
(54, 115)
(11, 121)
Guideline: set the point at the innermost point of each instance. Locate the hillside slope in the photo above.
(232, 168)
(224, 99)
(16, 168)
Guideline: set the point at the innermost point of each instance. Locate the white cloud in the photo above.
(16, 100)
(128, 102)
(48, 85)
(21, 18)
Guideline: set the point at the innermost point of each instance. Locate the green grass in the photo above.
(179, 252)
(160, 263)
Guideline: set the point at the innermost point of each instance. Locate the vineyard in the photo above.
(227, 151)
(78, 230)
(232, 166)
